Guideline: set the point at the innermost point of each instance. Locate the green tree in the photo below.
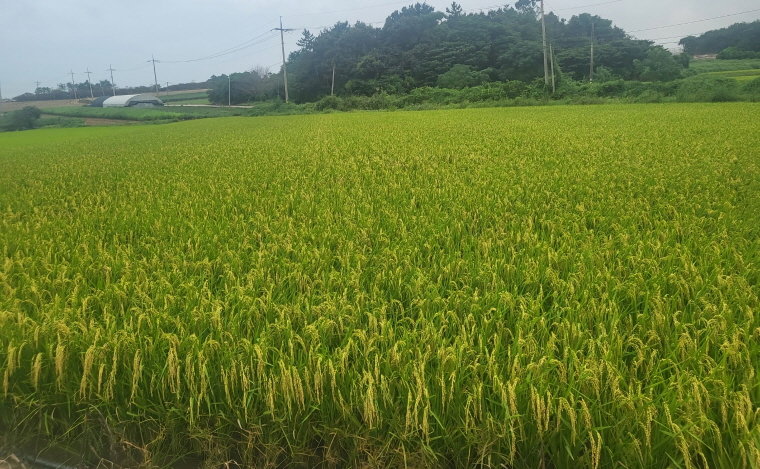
(461, 76)
(526, 6)
(454, 11)
(659, 65)
(742, 36)
(23, 119)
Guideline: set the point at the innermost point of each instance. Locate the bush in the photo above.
(707, 89)
(734, 53)
(328, 102)
(461, 76)
(23, 119)
(752, 89)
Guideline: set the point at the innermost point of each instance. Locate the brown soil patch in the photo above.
(15, 106)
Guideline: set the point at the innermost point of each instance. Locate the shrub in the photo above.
(707, 89)
(328, 102)
(752, 89)
(23, 119)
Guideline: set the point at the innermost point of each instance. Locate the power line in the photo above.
(588, 5)
(132, 69)
(249, 43)
(367, 7)
(695, 21)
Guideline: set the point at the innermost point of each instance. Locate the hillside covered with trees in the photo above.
(421, 47)
(738, 41)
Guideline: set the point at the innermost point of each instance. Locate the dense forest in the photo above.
(738, 41)
(421, 47)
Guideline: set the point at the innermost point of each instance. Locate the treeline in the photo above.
(245, 87)
(101, 88)
(738, 41)
(421, 47)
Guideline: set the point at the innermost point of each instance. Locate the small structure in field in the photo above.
(133, 100)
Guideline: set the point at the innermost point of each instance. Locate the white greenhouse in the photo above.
(133, 100)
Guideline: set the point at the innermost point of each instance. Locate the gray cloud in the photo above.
(44, 39)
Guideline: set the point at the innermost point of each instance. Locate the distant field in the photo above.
(711, 66)
(194, 97)
(167, 113)
(182, 92)
(741, 75)
(550, 287)
(15, 106)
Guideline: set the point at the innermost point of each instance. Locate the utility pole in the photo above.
(113, 86)
(155, 77)
(332, 88)
(551, 59)
(591, 72)
(88, 72)
(73, 85)
(38, 83)
(543, 35)
(284, 66)
(229, 90)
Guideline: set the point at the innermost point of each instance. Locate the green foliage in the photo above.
(564, 287)
(23, 119)
(734, 53)
(243, 87)
(146, 114)
(462, 76)
(196, 97)
(603, 74)
(751, 88)
(659, 65)
(709, 66)
(60, 122)
(739, 36)
(420, 47)
(705, 88)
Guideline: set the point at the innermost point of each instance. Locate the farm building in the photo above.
(133, 100)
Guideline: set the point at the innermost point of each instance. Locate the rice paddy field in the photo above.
(560, 287)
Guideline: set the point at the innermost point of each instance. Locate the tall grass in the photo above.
(535, 287)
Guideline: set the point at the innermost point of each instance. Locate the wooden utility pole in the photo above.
(551, 59)
(73, 85)
(284, 64)
(155, 77)
(332, 87)
(546, 53)
(89, 83)
(591, 71)
(113, 86)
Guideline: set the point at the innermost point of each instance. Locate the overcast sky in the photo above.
(42, 40)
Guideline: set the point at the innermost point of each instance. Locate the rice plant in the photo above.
(565, 287)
